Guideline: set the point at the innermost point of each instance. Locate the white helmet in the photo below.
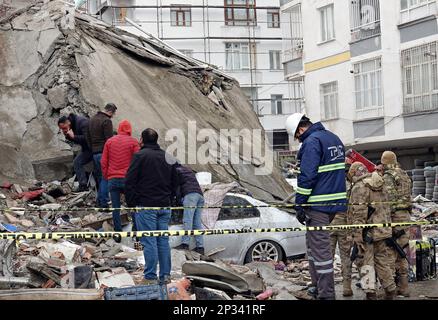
(292, 123)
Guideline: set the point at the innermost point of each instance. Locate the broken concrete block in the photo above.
(51, 206)
(117, 278)
(26, 223)
(11, 218)
(53, 168)
(58, 96)
(44, 271)
(46, 41)
(178, 259)
(70, 251)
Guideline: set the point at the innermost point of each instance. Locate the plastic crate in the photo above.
(152, 292)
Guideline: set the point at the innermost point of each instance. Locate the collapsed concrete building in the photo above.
(54, 61)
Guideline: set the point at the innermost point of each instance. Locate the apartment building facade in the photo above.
(244, 38)
(370, 71)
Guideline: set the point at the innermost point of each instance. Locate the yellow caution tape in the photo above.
(272, 205)
(20, 236)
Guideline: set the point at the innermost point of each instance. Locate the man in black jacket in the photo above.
(151, 181)
(101, 129)
(75, 129)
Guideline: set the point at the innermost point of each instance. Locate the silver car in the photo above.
(248, 247)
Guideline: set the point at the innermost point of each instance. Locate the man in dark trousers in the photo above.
(321, 194)
(192, 198)
(101, 129)
(151, 181)
(75, 129)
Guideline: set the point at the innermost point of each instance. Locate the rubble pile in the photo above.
(425, 209)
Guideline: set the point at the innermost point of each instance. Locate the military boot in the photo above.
(371, 296)
(347, 292)
(390, 295)
(402, 288)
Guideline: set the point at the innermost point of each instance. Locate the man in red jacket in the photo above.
(116, 158)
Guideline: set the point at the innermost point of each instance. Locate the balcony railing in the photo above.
(417, 9)
(365, 19)
(366, 31)
(294, 50)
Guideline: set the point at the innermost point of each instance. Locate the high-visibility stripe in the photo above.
(324, 271)
(323, 263)
(332, 167)
(303, 191)
(328, 168)
(328, 197)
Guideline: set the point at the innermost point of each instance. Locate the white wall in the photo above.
(391, 71)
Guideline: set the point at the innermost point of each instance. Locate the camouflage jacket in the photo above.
(367, 189)
(398, 185)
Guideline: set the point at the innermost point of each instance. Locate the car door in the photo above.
(233, 218)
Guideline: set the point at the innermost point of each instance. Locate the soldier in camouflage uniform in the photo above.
(377, 256)
(343, 239)
(398, 185)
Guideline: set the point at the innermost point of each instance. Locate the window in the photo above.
(276, 104)
(280, 140)
(329, 100)
(365, 19)
(188, 53)
(273, 18)
(240, 12)
(368, 86)
(237, 213)
(275, 60)
(327, 23)
(420, 78)
(237, 56)
(416, 9)
(181, 16)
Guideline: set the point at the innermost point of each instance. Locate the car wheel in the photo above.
(264, 251)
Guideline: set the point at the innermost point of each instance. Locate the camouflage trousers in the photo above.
(342, 239)
(377, 260)
(400, 265)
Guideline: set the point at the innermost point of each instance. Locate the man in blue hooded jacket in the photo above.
(321, 194)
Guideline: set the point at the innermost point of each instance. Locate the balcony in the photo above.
(365, 19)
(412, 10)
